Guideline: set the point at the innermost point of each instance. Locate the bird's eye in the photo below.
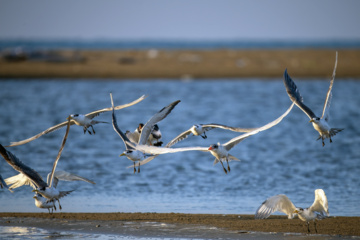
(76, 115)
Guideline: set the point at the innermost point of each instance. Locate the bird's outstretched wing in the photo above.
(18, 181)
(295, 95)
(320, 203)
(326, 109)
(51, 129)
(206, 127)
(230, 144)
(116, 127)
(148, 127)
(162, 150)
(96, 113)
(279, 203)
(66, 176)
(51, 177)
(19, 166)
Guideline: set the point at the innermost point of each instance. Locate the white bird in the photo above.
(130, 152)
(219, 151)
(154, 138)
(46, 189)
(200, 129)
(84, 120)
(317, 211)
(320, 124)
(42, 202)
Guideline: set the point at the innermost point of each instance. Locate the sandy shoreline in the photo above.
(111, 223)
(180, 64)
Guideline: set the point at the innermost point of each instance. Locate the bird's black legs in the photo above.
(59, 204)
(204, 137)
(228, 166)
(315, 226)
(92, 129)
(308, 227)
(223, 166)
(134, 168)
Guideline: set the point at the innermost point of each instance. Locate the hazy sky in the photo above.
(180, 19)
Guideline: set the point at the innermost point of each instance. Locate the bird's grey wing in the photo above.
(295, 95)
(179, 138)
(326, 109)
(18, 181)
(19, 166)
(116, 127)
(148, 127)
(143, 162)
(133, 136)
(51, 129)
(273, 204)
(52, 173)
(66, 176)
(96, 113)
(320, 203)
(230, 144)
(234, 129)
(3, 183)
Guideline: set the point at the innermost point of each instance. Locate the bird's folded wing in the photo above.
(273, 204)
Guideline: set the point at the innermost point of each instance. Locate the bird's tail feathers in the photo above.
(334, 131)
(232, 158)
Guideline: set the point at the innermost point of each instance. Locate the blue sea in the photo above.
(285, 159)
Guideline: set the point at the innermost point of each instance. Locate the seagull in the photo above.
(200, 130)
(318, 210)
(130, 152)
(154, 138)
(46, 189)
(320, 124)
(219, 151)
(84, 120)
(42, 202)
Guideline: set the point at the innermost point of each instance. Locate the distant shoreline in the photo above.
(108, 222)
(179, 64)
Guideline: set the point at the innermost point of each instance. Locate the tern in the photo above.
(154, 138)
(130, 152)
(320, 124)
(317, 211)
(219, 151)
(201, 129)
(46, 189)
(84, 120)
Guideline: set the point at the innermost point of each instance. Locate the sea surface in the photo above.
(285, 159)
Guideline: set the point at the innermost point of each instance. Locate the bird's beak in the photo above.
(69, 118)
(123, 154)
(34, 197)
(210, 148)
(296, 211)
(312, 120)
(35, 190)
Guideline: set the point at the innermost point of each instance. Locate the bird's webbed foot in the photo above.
(158, 144)
(59, 204)
(223, 167)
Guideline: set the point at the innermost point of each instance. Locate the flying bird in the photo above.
(154, 138)
(46, 189)
(320, 124)
(130, 152)
(219, 151)
(84, 120)
(317, 211)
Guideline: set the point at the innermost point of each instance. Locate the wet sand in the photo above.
(181, 225)
(181, 64)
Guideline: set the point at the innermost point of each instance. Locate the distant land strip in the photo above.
(179, 64)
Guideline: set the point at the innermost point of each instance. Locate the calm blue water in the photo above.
(284, 159)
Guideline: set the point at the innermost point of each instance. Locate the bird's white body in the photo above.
(197, 130)
(42, 202)
(81, 120)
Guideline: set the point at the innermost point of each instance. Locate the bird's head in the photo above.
(72, 116)
(315, 120)
(126, 152)
(298, 210)
(213, 147)
(141, 125)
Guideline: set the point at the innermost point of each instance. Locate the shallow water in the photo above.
(284, 159)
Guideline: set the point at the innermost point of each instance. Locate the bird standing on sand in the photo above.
(31, 177)
(84, 120)
(317, 211)
(320, 124)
